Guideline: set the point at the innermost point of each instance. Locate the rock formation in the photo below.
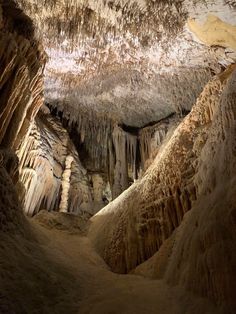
(22, 64)
(63, 207)
(124, 111)
(185, 189)
(43, 159)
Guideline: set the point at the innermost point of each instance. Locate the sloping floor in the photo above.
(58, 271)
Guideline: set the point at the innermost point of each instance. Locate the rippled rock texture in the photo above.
(21, 86)
(190, 187)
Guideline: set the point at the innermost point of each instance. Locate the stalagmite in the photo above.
(98, 187)
(42, 159)
(63, 207)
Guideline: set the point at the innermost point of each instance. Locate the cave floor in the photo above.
(60, 272)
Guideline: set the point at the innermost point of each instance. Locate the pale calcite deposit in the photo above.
(215, 32)
(63, 207)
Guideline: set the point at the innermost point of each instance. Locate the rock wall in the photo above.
(21, 79)
(8, 166)
(205, 260)
(194, 173)
(22, 62)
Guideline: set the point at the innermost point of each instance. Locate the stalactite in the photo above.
(125, 146)
(152, 137)
(111, 162)
(121, 167)
(98, 188)
(156, 133)
(81, 19)
(92, 131)
(101, 191)
(131, 146)
(94, 134)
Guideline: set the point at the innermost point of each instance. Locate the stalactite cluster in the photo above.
(107, 149)
(80, 19)
(43, 158)
(88, 130)
(152, 137)
(99, 59)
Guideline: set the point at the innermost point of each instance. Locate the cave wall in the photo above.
(21, 81)
(22, 62)
(206, 260)
(43, 158)
(191, 184)
(41, 143)
(10, 213)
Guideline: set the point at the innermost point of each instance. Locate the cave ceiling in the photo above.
(132, 61)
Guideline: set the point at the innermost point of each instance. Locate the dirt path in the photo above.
(94, 289)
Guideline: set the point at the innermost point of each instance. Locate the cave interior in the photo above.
(118, 156)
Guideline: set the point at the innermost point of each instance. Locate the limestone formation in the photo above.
(22, 64)
(10, 210)
(125, 152)
(100, 57)
(215, 32)
(152, 137)
(194, 173)
(63, 207)
(118, 142)
(43, 158)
